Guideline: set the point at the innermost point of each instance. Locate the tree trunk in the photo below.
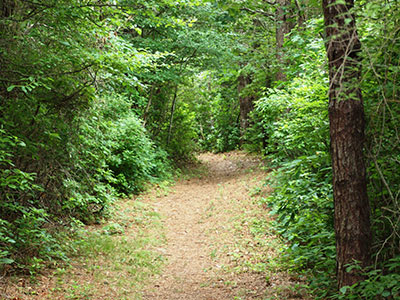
(283, 27)
(301, 17)
(6, 8)
(246, 104)
(346, 116)
(153, 91)
(171, 120)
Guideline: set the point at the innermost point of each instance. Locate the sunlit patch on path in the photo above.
(211, 252)
(203, 238)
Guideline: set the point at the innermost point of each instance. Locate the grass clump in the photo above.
(115, 258)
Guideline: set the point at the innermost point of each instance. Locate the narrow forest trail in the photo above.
(197, 217)
(204, 238)
(211, 252)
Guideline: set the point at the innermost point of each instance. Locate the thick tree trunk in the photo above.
(346, 116)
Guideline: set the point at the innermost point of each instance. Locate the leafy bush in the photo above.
(379, 283)
(294, 119)
(222, 130)
(22, 236)
(302, 203)
(111, 153)
(82, 163)
(66, 152)
(135, 159)
(293, 122)
(212, 106)
(380, 91)
(183, 135)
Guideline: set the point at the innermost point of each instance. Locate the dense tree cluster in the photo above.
(100, 97)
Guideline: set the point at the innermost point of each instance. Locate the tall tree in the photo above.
(283, 27)
(246, 103)
(346, 116)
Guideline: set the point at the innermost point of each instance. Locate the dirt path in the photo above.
(205, 235)
(208, 235)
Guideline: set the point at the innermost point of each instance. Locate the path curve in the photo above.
(198, 217)
(219, 244)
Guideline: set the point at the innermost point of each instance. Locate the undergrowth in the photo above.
(108, 156)
(113, 259)
(292, 125)
(301, 202)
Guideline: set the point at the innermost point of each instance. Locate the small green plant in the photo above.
(121, 261)
(379, 283)
(213, 253)
(113, 228)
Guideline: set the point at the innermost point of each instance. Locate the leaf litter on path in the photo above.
(205, 238)
(211, 250)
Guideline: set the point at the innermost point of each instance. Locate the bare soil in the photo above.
(216, 242)
(211, 252)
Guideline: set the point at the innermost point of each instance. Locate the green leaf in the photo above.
(344, 289)
(138, 30)
(386, 293)
(11, 87)
(340, 2)
(6, 261)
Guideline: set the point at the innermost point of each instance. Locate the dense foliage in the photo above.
(294, 134)
(71, 137)
(99, 98)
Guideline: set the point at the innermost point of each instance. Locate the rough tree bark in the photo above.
(346, 116)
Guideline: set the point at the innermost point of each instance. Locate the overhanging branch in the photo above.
(258, 11)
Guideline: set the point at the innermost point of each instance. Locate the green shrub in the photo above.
(379, 283)
(22, 236)
(181, 145)
(111, 154)
(70, 166)
(380, 92)
(223, 131)
(294, 120)
(212, 105)
(302, 203)
(134, 159)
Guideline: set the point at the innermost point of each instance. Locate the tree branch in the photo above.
(270, 2)
(258, 11)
